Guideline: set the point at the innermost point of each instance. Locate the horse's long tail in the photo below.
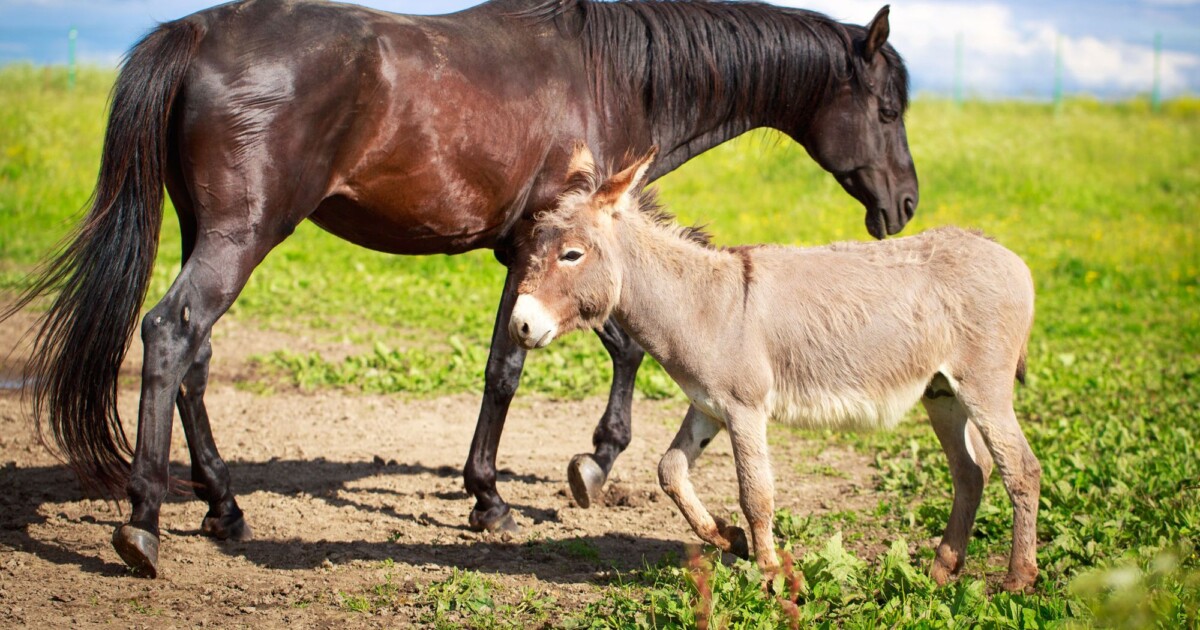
(102, 272)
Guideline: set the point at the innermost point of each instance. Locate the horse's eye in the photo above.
(888, 115)
(571, 255)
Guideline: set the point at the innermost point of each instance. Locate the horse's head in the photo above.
(858, 133)
(565, 262)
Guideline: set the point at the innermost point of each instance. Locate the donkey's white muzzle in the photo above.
(531, 324)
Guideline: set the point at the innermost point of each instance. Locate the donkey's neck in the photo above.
(695, 74)
(676, 295)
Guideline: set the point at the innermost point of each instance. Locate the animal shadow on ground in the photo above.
(29, 497)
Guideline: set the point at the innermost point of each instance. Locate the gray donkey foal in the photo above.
(847, 336)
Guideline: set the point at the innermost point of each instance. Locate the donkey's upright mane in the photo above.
(584, 184)
(738, 54)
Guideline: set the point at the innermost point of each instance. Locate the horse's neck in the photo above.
(703, 99)
(674, 292)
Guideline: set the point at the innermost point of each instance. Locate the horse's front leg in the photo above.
(587, 472)
(502, 376)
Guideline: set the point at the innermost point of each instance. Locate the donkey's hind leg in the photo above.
(970, 466)
(587, 472)
(224, 520)
(1022, 475)
(694, 435)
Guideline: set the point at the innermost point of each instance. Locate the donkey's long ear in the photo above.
(626, 183)
(582, 163)
(877, 33)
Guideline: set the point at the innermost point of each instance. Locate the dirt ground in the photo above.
(334, 484)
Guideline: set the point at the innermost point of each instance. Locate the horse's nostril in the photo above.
(910, 207)
(525, 328)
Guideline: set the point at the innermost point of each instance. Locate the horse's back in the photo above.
(412, 134)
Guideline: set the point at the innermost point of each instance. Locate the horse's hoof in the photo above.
(138, 548)
(503, 523)
(738, 545)
(586, 478)
(237, 531)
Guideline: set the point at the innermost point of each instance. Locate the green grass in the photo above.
(1099, 199)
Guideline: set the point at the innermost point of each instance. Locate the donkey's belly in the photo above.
(845, 410)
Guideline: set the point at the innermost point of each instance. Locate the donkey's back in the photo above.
(858, 332)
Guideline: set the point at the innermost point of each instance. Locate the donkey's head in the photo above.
(858, 133)
(565, 264)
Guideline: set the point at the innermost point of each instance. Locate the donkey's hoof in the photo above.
(236, 530)
(1020, 582)
(586, 478)
(501, 523)
(946, 566)
(940, 573)
(738, 545)
(138, 548)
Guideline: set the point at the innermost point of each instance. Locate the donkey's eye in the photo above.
(888, 115)
(571, 255)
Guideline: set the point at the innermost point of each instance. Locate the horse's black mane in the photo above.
(744, 57)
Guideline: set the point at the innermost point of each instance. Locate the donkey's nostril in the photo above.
(525, 328)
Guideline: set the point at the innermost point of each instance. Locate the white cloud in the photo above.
(1007, 55)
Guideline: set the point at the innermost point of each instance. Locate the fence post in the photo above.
(1058, 74)
(958, 70)
(1156, 93)
(72, 35)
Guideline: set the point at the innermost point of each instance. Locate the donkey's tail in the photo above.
(102, 272)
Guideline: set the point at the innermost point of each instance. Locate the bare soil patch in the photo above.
(334, 484)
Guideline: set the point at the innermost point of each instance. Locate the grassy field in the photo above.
(1100, 200)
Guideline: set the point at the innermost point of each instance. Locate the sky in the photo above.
(1008, 46)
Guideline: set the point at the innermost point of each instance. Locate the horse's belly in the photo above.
(418, 228)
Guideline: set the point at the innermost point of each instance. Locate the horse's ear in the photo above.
(582, 163)
(877, 33)
(627, 182)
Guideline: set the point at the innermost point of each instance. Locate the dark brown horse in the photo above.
(409, 135)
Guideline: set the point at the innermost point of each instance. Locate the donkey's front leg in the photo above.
(756, 483)
(587, 472)
(695, 434)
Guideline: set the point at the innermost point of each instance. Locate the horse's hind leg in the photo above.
(1022, 475)
(587, 472)
(693, 436)
(173, 333)
(970, 465)
(224, 520)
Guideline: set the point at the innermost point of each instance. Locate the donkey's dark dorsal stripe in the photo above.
(409, 135)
